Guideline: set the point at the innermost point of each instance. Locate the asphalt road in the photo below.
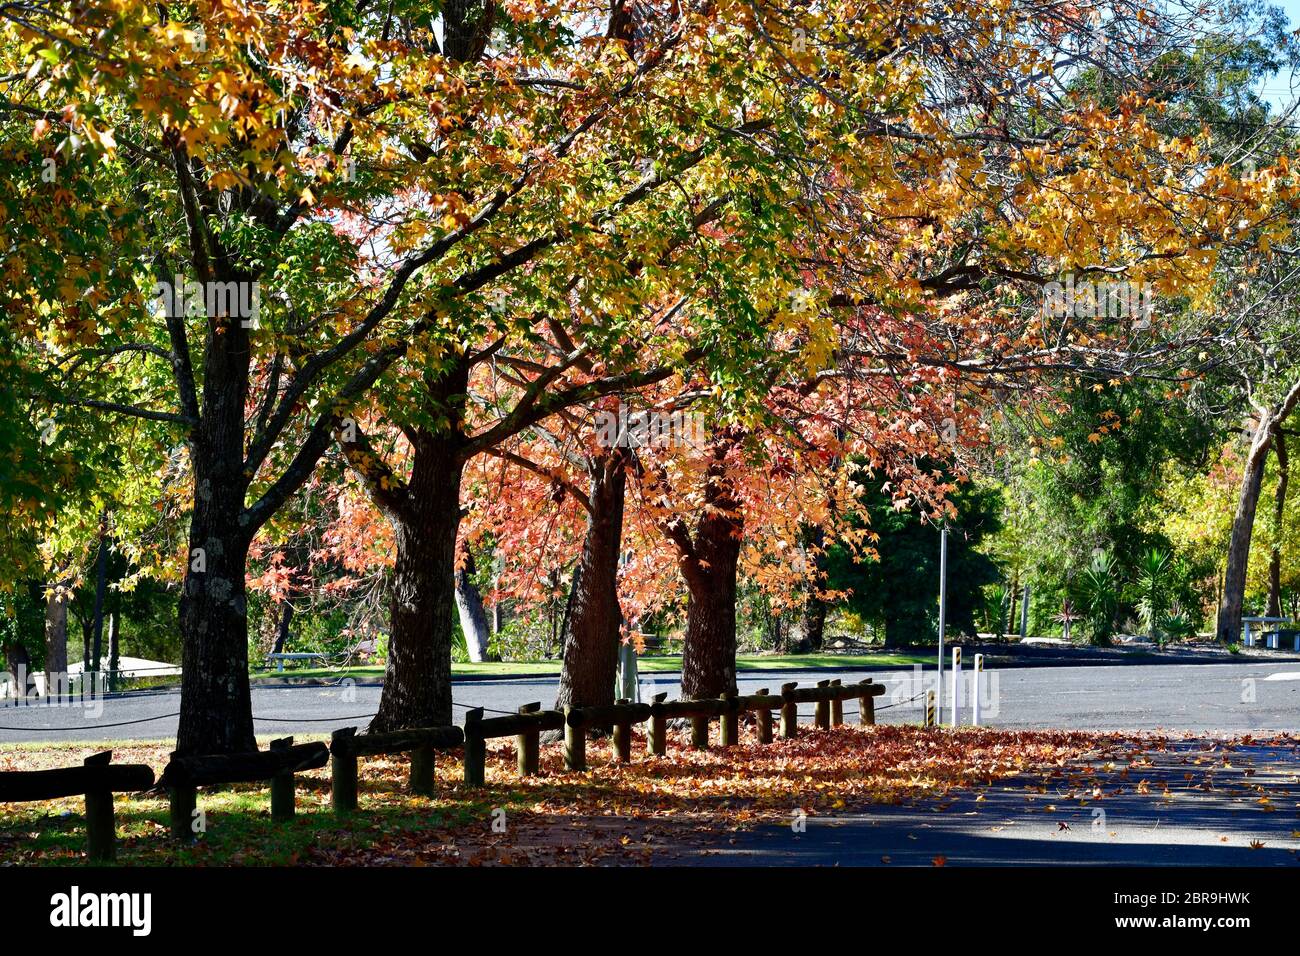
(1231, 698)
(1200, 808)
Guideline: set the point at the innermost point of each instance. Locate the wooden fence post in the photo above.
(789, 712)
(764, 721)
(282, 807)
(182, 802)
(528, 744)
(343, 771)
(422, 770)
(475, 749)
(822, 714)
(729, 722)
(101, 827)
(575, 739)
(837, 707)
(623, 735)
(658, 740)
(866, 706)
(700, 733)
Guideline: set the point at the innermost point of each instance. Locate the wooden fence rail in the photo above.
(182, 777)
(97, 779)
(422, 743)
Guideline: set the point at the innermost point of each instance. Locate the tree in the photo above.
(899, 592)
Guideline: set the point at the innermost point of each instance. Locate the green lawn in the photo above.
(667, 663)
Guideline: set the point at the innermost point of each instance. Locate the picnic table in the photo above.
(1270, 636)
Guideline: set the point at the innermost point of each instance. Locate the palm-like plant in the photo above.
(1099, 594)
(1153, 588)
(1067, 617)
(1178, 623)
(995, 609)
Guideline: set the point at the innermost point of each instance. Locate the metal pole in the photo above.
(943, 610)
(975, 690)
(1024, 614)
(956, 686)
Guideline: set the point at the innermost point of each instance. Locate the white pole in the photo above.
(943, 610)
(956, 687)
(975, 690)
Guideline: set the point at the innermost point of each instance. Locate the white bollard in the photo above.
(975, 690)
(956, 687)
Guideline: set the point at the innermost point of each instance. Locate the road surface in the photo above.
(1232, 698)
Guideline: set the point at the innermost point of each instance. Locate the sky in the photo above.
(1284, 87)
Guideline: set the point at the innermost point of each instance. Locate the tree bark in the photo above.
(473, 618)
(709, 657)
(114, 649)
(417, 678)
(594, 619)
(1279, 516)
(216, 706)
(19, 663)
(814, 625)
(813, 618)
(56, 640)
(282, 627)
(1243, 522)
(101, 589)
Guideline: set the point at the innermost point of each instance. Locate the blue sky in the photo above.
(1278, 90)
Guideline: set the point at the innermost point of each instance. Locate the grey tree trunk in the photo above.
(473, 617)
(1243, 524)
(114, 649)
(1279, 515)
(1243, 521)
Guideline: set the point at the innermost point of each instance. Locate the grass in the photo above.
(659, 664)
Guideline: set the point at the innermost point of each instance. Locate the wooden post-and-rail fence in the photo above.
(422, 743)
(182, 777)
(98, 779)
(527, 725)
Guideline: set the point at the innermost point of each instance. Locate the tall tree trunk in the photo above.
(101, 589)
(813, 625)
(417, 679)
(1243, 521)
(1279, 516)
(114, 649)
(56, 640)
(216, 705)
(473, 618)
(19, 663)
(709, 657)
(282, 626)
(593, 619)
(812, 618)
